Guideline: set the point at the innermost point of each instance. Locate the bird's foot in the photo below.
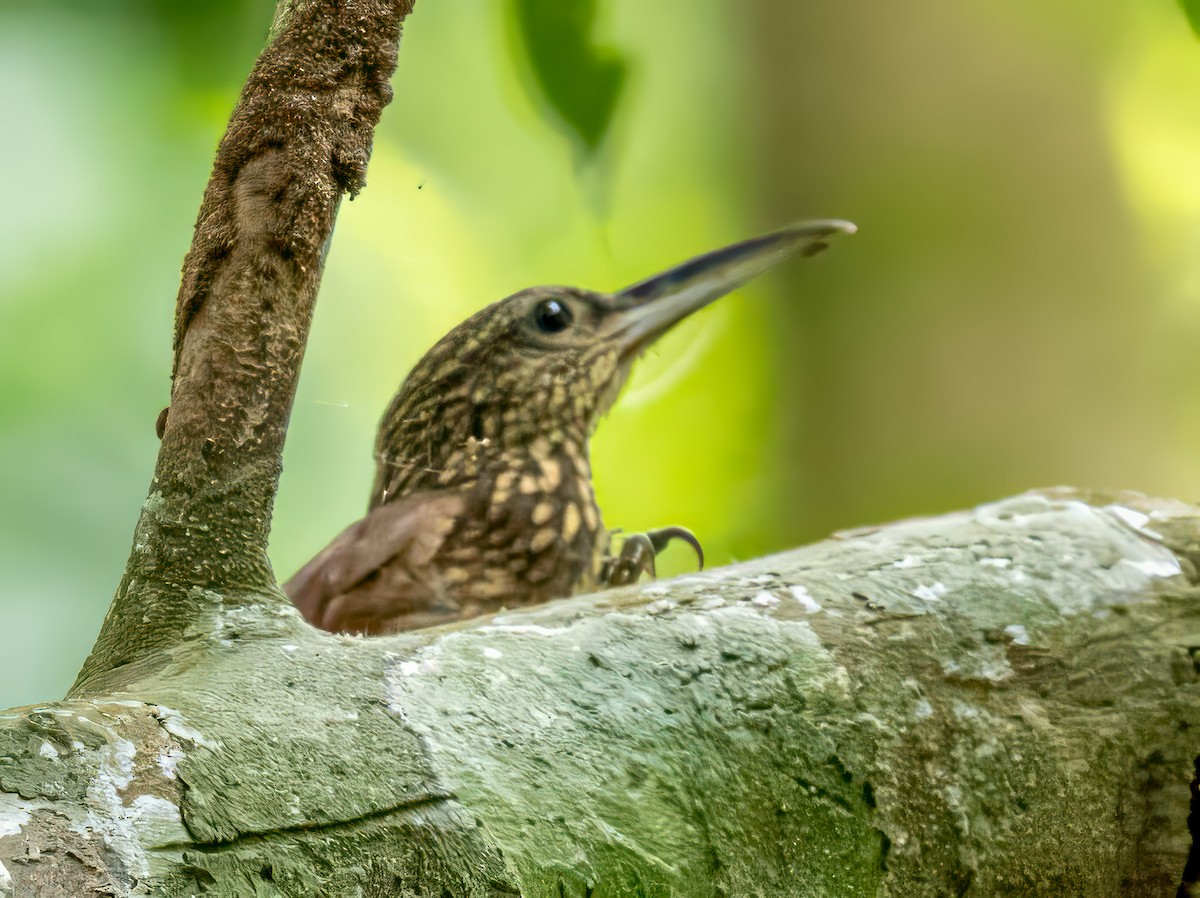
(639, 551)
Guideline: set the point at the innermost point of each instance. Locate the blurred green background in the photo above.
(1021, 307)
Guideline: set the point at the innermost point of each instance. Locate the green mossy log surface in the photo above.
(998, 702)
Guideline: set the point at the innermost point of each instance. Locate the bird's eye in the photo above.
(552, 316)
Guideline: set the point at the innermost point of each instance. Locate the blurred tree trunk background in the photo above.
(999, 326)
(1018, 310)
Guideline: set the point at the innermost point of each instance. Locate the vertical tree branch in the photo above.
(298, 139)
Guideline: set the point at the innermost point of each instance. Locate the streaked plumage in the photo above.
(483, 496)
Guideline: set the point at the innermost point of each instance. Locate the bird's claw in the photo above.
(661, 538)
(639, 551)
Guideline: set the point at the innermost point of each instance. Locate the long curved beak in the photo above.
(646, 310)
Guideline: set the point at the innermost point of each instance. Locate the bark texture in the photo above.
(998, 702)
(299, 138)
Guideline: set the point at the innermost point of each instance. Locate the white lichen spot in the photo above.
(14, 814)
(523, 629)
(996, 670)
(489, 652)
(699, 622)
(157, 820)
(168, 761)
(906, 562)
(57, 712)
(1154, 567)
(127, 830)
(807, 602)
(661, 606)
(965, 711)
(922, 709)
(408, 668)
(931, 593)
(46, 750)
(655, 589)
(996, 562)
(1133, 518)
(765, 600)
(710, 602)
(173, 722)
(1017, 633)
(121, 768)
(289, 648)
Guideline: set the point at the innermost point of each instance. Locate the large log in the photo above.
(1004, 701)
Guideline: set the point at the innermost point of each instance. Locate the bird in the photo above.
(483, 496)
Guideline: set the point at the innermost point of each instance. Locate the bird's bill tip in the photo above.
(821, 227)
(808, 238)
(651, 306)
(731, 266)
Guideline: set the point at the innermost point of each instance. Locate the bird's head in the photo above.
(548, 362)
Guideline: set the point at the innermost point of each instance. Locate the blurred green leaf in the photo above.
(580, 81)
(1191, 9)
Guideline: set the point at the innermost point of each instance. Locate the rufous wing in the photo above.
(379, 574)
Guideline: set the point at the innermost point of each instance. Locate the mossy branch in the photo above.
(997, 702)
